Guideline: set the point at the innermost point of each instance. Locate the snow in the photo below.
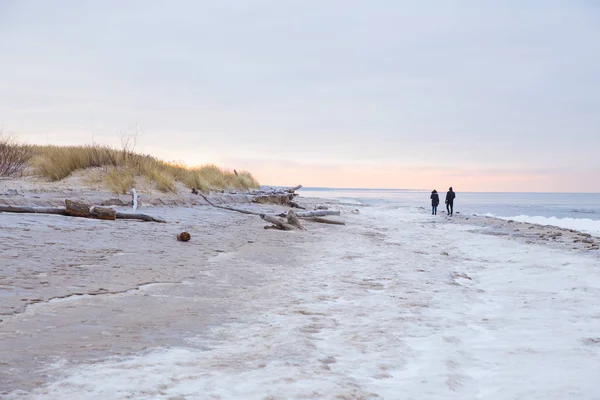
(396, 306)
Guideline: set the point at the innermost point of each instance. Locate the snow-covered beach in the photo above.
(270, 200)
(397, 304)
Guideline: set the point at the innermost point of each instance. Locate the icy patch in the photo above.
(579, 224)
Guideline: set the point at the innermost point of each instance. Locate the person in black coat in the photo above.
(450, 195)
(435, 201)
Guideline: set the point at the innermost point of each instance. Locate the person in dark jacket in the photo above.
(450, 195)
(435, 201)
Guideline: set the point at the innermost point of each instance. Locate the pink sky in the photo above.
(403, 177)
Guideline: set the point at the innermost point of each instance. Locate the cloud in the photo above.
(487, 85)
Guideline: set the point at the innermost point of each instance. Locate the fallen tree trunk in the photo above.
(33, 210)
(323, 220)
(292, 190)
(142, 217)
(237, 210)
(277, 222)
(63, 211)
(317, 213)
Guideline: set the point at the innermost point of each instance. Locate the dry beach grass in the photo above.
(120, 167)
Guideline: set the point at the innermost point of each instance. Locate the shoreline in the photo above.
(531, 233)
(20, 192)
(235, 278)
(526, 232)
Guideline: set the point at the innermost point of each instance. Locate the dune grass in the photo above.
(120, 180)
(59, 162)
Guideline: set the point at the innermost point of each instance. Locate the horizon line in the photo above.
(422, 190)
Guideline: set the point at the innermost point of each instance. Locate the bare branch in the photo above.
(13, 156)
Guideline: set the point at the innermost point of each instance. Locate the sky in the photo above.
(478, 95)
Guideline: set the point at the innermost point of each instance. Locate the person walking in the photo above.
(435, 201)
(450, 195)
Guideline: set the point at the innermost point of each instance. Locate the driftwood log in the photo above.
(104, 213)
(33, 210)
(85, 210)
(293, 204)
(317, 213)
(277, 223)
(324, 220)
(225, 207)
(284, 197)
(77, 208)
(140, 217)
(293, 220)
(63, 211)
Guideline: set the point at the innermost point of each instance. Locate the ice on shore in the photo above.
(579, 224)
(396, 306)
